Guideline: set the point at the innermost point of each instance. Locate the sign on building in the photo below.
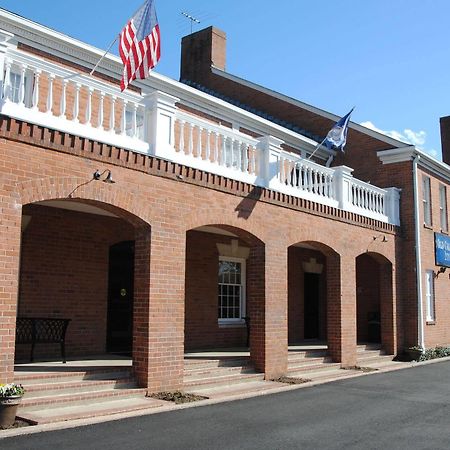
(442, 249)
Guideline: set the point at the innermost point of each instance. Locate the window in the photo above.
(426, 188)
(443, 207)
(14, 80)
(231, 289)
(139, 124)
(429, 295)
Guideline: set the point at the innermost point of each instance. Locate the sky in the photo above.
(388, 58)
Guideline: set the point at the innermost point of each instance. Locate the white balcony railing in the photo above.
(48, 94)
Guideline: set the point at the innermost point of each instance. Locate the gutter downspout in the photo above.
(420, 329)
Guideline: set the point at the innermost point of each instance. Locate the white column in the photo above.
(208, 145)
(63, 103)
(342, 187)
(7, 86)
(392, 205)
(49, 106)
(101, 111)
(270, 149)
(199, 142)
(181, 142)
(89, 106)
(112, 115)
(23, 69)
(76, 102)
(123, 118)
(191, 139)
(35, 100)
(161, 129)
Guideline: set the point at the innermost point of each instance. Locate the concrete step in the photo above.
(92, 408)
(305, 371)
(213, 371)
(368, 360)
(309, 362)
(79, 398)
(215, 362)
(71, 387)
(308, 354)
(216, 381)
(235, 389)
(112, 373)
(367, 347)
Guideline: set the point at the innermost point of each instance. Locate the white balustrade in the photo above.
(146, 123)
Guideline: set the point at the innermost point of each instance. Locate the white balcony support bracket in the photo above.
(393, 205)
(342, 187)
(161, 124)
(270, 148)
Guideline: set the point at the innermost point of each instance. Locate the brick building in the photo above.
(217, 225)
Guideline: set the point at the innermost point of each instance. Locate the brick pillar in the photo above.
(267, 308)
(10, 222)
(158, 339)
(388, 310)
(341, 309)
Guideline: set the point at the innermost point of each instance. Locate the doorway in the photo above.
(311, 305)
(120, 298)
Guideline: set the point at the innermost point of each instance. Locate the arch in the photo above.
(121, 202)
(375, 298)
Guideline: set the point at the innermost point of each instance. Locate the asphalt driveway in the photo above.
(403, 409)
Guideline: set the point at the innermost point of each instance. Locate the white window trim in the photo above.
(430, 296)
(443, 207)
(243, 291)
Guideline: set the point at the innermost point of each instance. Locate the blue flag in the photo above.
(337, 136)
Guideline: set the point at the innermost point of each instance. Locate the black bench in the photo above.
(40, 330)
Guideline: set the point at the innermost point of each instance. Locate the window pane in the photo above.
(230, 289)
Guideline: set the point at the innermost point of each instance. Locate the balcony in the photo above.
(158, 123)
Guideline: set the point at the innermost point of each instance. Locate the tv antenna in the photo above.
(191, 18)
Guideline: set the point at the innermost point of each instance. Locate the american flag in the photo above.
(140, 44)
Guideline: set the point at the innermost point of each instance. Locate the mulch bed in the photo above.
(361, 369)
(291, 380)
(177, 397)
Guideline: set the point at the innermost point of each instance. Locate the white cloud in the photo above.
(417, 138)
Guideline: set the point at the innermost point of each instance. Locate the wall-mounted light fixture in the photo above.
(380, 238)
(441, 270)
(98, 176)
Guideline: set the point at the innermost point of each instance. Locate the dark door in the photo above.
(120, 297)
(311, 305)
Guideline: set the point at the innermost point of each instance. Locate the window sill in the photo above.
(238, 323)
(428, 227)
(431, 322)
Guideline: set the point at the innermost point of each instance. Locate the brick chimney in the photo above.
(445, 139)
(200, 51)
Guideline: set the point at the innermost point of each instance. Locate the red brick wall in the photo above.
(64, 274)
(201, 325)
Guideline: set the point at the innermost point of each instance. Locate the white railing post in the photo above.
(101, 106)
(88, 116)
(392, 205)
(112, 115)
(23, 69)
(343, 187)
(35, 99)
(161, 129)
(76, 102)
(269, 172)
(7, 81)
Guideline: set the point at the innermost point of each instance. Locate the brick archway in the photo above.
(376, 309)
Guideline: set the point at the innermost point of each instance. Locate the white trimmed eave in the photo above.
(75, 51)
(425, 161)
(313, 109)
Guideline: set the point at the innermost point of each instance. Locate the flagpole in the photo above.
(317, 148)
(104, 54)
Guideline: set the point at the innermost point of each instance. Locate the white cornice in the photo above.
(425, 161)
(313, 109)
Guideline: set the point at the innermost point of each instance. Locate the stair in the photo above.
(221, 377)
(371, 355)
(59, 396)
